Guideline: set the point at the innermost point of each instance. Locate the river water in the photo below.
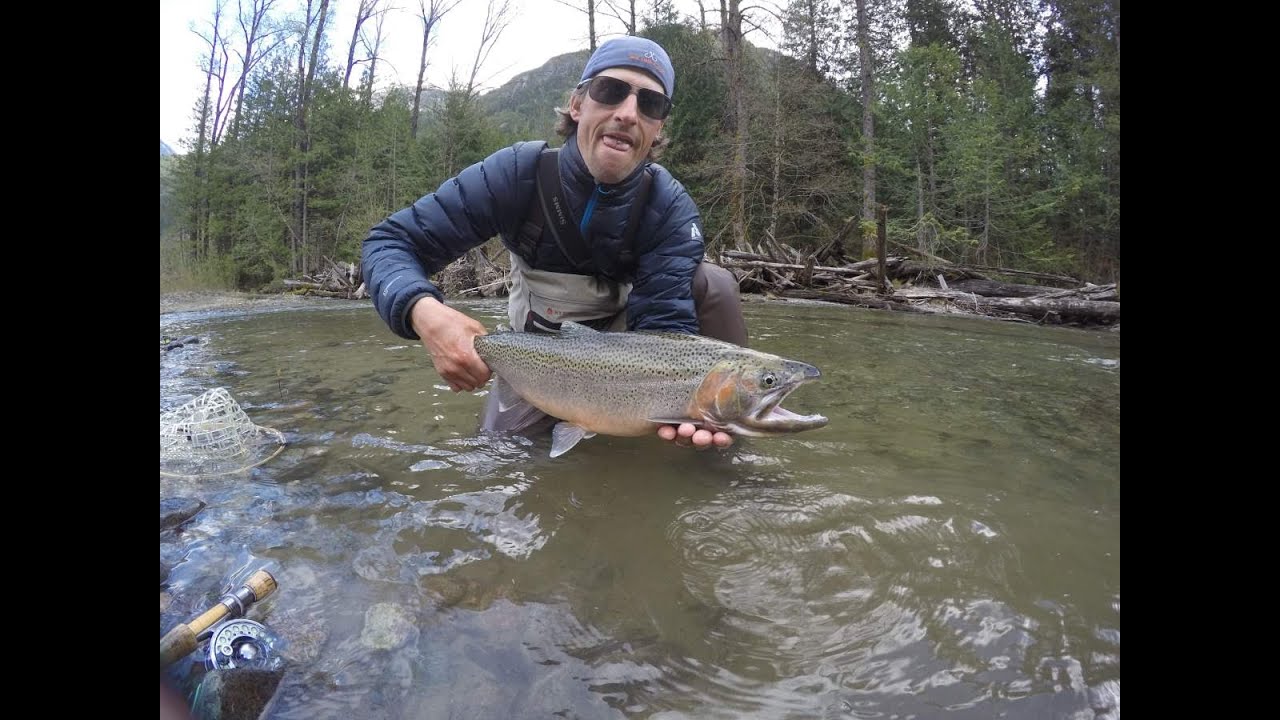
(948, 546)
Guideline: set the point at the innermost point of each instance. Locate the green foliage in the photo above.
(1082, 131)
(168, 211)
(181, 272)
(993, 143)
(696, 122)
(463, 135)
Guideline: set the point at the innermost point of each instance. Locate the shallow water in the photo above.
(948, 546)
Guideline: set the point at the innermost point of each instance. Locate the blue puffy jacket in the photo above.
(494, 197)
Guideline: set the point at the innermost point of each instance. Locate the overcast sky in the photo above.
(541, 30)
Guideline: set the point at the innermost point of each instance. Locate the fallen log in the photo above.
(850, 298)
(1095, 310)
(484, 289)
(908, 269)
(977, 270)
(1023, 273)
(306, 291)
(762, 265)
(993, 288)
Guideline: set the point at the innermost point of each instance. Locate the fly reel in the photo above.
(242, 644)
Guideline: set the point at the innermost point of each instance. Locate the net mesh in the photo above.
(212, 435)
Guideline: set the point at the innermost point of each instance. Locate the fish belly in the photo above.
(620, 407)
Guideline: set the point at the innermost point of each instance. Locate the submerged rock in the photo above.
(239, 694)
(387, 626)
(175, 511)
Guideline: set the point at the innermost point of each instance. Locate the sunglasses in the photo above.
(612, 91)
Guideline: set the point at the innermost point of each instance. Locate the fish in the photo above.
(626, 384)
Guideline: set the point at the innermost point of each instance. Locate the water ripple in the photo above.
(813, 583)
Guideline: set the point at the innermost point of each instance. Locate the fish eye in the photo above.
(770, 380)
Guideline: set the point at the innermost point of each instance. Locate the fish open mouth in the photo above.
(770, 418)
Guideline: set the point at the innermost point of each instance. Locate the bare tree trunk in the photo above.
(702, 16)
(628, 18)
(431, 12)
(373, 52)
(777, 152)
(307, 63)
(460, 104)
(202, 243)
(219, 105)
(984, 243)
(254, 28)
(364, 12)
(590, 10)
(395, 176)
(922, 242)
(591, 23)
(868, 130)
(497, 18)
(210, 71)
(295, 226)
(813, 35)
(931, 166)
(882, 222)
(731, 34)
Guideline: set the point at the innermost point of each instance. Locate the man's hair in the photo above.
(566, 126)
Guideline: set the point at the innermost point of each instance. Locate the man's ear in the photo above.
(575, 106)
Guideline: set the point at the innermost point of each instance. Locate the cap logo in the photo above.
(647, 58)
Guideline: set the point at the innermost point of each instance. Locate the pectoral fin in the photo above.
(565, 435)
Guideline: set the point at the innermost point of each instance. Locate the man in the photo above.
(638, 264)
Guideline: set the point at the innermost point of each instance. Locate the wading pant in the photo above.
(715, 297)
(719, 305)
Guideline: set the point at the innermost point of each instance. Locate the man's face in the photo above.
(615, 139)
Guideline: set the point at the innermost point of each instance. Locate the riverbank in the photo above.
(203, 301)
(209, 300)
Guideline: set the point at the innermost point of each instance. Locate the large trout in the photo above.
(629, 383)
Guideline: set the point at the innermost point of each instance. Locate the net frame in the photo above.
(212, 435)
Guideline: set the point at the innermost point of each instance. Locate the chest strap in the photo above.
(553, 213)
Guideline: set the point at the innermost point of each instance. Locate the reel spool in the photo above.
(242, 644)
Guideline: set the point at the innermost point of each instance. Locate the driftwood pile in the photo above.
(473, 275)
(339, 280)
(931, 285)
(926, 285)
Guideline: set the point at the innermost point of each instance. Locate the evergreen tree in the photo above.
(992, 143)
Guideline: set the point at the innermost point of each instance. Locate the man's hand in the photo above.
(687, 434)
(447, 335)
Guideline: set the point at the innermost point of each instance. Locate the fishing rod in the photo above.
(183, 639)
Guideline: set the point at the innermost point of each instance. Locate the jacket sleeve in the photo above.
(662, 296)
(402, 252)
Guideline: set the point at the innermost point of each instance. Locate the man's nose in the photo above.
(627, 109)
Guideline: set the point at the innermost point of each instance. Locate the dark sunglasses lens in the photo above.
(609, 91)
(654, 104)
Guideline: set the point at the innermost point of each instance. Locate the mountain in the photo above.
(165, 150)
(525, 105)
